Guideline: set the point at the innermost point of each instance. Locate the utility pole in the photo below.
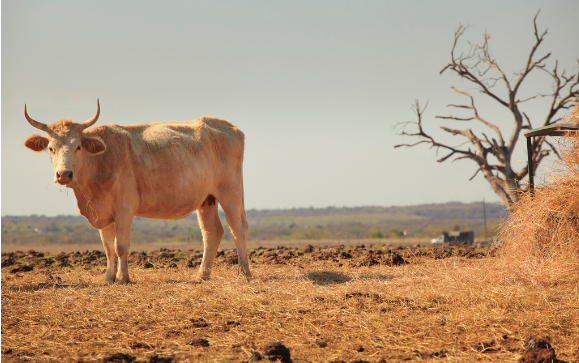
(485, 214)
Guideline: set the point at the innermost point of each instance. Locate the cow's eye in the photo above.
(51, 149)
(78, 148)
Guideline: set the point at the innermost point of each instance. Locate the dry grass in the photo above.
(541, 238)
(456, 308)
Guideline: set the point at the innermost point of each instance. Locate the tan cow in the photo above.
(163, 170)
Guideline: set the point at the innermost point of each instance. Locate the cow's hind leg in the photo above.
(108, 238)
(235, 214)
(212, 233)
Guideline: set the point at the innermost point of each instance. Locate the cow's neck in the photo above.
(85, 199)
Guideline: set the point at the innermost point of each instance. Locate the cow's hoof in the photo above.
(108, 282)
(245, 273)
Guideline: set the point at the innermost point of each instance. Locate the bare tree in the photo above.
(493, 154)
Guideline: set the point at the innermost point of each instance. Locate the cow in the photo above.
(163, 170)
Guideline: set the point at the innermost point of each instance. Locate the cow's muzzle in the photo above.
(63, 177)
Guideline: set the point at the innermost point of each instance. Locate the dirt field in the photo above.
(341, 304)
(226, 245)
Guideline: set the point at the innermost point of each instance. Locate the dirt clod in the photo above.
(231, 258)
(119, 358)
(255, 357)
(345, 255)
(533, 343)
(539, 351)
(21, 268)
(8, 261)
(191, 263)
(485, 347)
(139, 345)
(369, 260)
(199, 323)
(46, 262)
(33, 253)
(164, 256)
(199, 342)
(440, 354)
(397, 260)
(159, 359)
(539, 355)
(277, 351)
(359, 348)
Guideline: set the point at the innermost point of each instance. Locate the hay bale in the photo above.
(540, 240)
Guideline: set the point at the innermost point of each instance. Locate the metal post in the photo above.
(531, 168)
(550, 130)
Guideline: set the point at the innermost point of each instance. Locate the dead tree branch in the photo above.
(493, 155)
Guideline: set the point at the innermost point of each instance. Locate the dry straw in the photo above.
(541, 237)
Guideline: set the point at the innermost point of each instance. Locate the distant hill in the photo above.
(449, 210)
(420, 221)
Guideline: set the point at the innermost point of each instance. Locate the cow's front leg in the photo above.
(108, 239)
(122, 245)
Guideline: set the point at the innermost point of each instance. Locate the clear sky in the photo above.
(316, 86)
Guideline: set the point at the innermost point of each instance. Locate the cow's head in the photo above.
(66, 144)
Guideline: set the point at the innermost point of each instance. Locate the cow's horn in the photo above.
(38, 125)
(91, 122)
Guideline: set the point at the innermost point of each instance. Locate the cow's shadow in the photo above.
(327, 277)
(336, 278)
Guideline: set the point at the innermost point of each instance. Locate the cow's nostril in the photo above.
(64, 176)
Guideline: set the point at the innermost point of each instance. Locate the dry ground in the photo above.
(329, 304)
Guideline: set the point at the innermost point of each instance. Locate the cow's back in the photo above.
(192, 135)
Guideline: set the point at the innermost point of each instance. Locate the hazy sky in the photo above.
(316, 86)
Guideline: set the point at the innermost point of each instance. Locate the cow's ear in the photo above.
(94, 145)
(36, 143)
